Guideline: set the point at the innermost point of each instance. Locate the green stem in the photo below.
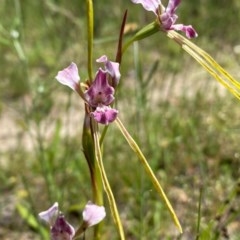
(107, 188)
(199, 212)
(103, 134)
(90, 25)
(88, 150)
(146, 31)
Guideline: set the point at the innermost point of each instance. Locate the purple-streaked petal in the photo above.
(111, 67)
(113, 70)
(69, 77)
(104, 114)
(102, 59)
(62, 230)
(100, 92)
(188, 30)
(167, 20)
(149, 5)
(172, 6)
(50, 215)
(93, 214)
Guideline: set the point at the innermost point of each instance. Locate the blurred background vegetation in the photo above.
(185, 122)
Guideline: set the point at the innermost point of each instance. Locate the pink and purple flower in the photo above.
(167, 16)
(100, 94)
(60, 229)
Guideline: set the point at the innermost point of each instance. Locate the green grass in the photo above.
(186, 125)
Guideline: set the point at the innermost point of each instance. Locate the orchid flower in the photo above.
(60, 228)
(167, 16)
(100, 93)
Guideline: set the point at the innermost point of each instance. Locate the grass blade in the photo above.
(204, 59)
(149, 171)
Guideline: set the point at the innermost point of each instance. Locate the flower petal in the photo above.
(93, 214)
(69, 77)
(104, 114)
(50, 215)
(167, 20)
(62, 230)
(111, 67)
(172, 6)
(100, 92)
(149, 5)
(188, 30)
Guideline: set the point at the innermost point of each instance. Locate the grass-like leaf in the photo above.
(27, 215)
(149, 171)
(218, 72)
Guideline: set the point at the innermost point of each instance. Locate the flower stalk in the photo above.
(90, 27)
(144, 32)
(88, 150)
(107, 188)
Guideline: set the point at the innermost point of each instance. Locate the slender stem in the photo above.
(90, 26)
(103, 134)
(199, 212)
(107, 188)
(146, 31)
(88, 150)
(149, 171)
(96, 173)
